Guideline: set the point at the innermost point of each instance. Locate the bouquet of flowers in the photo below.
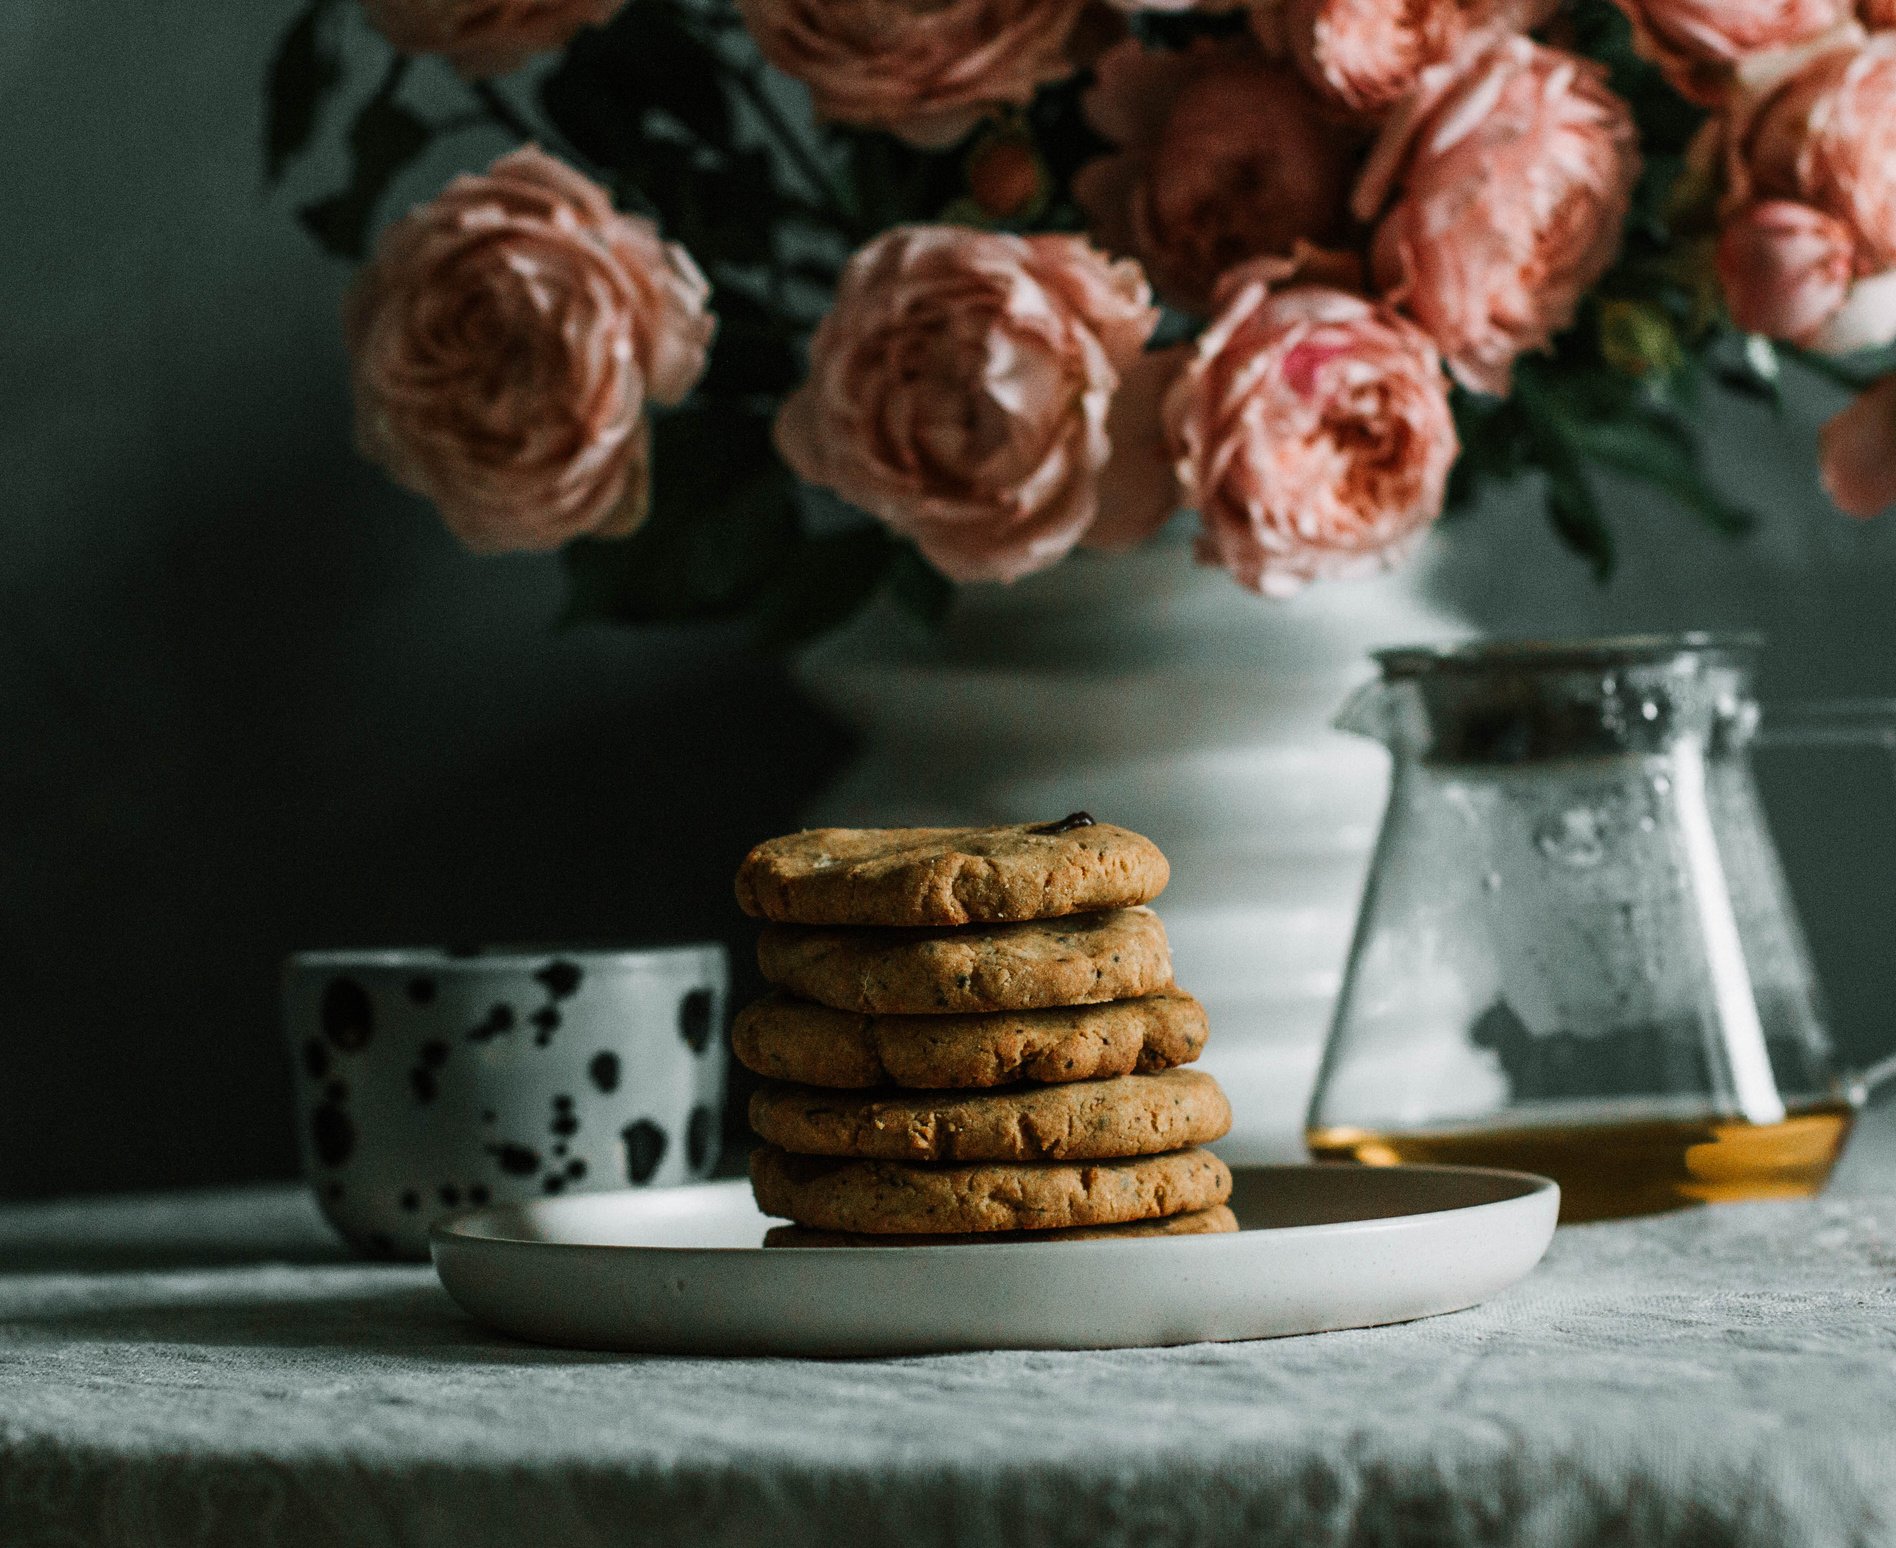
(779, 304)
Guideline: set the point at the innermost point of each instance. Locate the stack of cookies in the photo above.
(974, 1035)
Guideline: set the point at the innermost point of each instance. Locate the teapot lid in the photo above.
(1529, 701)
(1732, 647)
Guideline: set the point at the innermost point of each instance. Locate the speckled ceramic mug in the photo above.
(429, 1080)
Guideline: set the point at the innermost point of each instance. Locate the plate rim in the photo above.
(448, 1232)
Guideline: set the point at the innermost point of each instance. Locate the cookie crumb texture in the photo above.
(939, 877)
(1215, 1221)
(1086, 960)
(815, 1045)
(891, 1197)
(1095, 1120)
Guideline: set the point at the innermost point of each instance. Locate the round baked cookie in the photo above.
(1088, 1120)
(885, 1197)
(1079, 961)
(949, 876)
(814, 1045)
(1198, 1222)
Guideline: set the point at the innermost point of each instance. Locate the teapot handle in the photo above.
(1837, 723)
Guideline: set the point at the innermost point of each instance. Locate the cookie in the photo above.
(949, 876)
(895, 1197)
(1084, 960)
(812, 1045)
(1088, 1120)
(1197, 1222)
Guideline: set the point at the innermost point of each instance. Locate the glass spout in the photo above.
(1365, 712)
(1386, 711)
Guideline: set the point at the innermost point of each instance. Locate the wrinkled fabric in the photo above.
(209, 1369)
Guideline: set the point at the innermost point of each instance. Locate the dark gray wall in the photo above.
(253, 698)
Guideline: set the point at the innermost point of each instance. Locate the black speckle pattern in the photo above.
(422, 1082)
(560, 978)
(699, 1134)
(336, 1091)
(421, 990)
(644, 1149)
(488, 1115)
(411, 1201)
(434, 1053)
(553, 1184)
(332, 1134)
(348, 1015)
(560, 1147)
(479, 1194)
(603, 1071)
(564, 1124)
(694, 1020)
(333, 1192)
(448, 1194)
(499, 1022)
(381, 1244)
(516, 1160)
(315, 1059)
(576, 1168)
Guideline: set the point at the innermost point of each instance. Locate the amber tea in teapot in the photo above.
(1576, 953)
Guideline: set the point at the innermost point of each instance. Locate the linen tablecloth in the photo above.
(209, 1369)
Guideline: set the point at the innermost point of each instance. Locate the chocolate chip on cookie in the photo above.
(949, 876)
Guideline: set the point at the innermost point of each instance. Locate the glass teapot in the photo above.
(1576, 953)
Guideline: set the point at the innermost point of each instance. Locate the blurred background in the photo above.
(253, 698)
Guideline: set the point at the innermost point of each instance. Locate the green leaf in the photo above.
(305, 70)
(1574, 512)
(384, 139)
(1492, 447)
(647, 60)
(1572, 508)
(823, 583)
(722, 525)
(756, 350)
(1664, 456)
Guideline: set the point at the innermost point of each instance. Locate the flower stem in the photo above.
(502, 111)
(822, 180)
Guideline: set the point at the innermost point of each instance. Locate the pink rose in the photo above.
(1223, 156)
(960, 391)
(1823, 135)
(1858, 452)
(1785, 268)
(1513, 169)
(1700, 43)
(485, 37)
(1312, 431)
(927, 70)
(1826, 135)
(1364, 55)
(507, 337)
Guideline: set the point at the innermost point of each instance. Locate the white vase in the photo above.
(1156, 694)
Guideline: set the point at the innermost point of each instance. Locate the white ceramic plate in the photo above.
(680, 1270)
